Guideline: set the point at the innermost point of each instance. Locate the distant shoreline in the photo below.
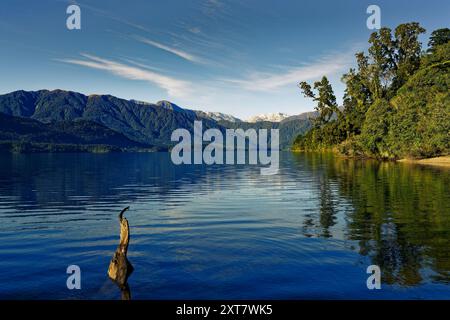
(30, 148)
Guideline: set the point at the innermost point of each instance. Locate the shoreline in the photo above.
(442, 161)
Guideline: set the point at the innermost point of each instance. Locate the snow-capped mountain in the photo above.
(217, 116)
(272, 117)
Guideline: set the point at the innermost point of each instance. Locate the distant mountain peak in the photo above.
(169, 105)
(271, 117)
(217, 116)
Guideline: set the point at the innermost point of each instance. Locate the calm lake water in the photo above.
(206, 232)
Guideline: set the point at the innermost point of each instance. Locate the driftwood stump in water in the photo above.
(120, 268)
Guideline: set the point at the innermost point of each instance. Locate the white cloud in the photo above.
(175, 51)
(174, 87)
(325, 66)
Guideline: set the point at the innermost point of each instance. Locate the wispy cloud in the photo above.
(180, 53)
(195, 30)
(325, 66)
(210, 7)
(174, 87)
(143, 65)
(106, 14)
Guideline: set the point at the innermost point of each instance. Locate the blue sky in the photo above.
(237, 57)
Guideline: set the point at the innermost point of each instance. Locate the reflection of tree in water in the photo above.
(326, 218)
(327, 212)
(400, 260)
(400, 215)
(327, 215)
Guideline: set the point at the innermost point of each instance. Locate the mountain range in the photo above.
(271, 117)
(58, 117)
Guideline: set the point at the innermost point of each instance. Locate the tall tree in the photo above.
(325, 98)
(384, 66)
(438, 37)
(408, 51)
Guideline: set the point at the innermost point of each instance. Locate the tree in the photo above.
(437, 38)
(325, 98)
(408, 51)
(396, 102)
(384, 65)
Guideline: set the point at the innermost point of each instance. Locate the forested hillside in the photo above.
(396, 102)
(18, 134)
(140, 123)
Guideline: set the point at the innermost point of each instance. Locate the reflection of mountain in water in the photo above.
(97, 177)
(395, 214)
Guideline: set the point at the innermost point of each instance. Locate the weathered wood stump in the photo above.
(120, 268)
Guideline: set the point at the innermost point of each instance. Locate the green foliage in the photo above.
(438, 37)
(408, 51)
(441, 54)
(27, 135)
(325, 98)
(420, 126)
(320, 138)
(396, 102)
(375, 128)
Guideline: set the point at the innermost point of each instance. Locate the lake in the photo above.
(223, 232)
